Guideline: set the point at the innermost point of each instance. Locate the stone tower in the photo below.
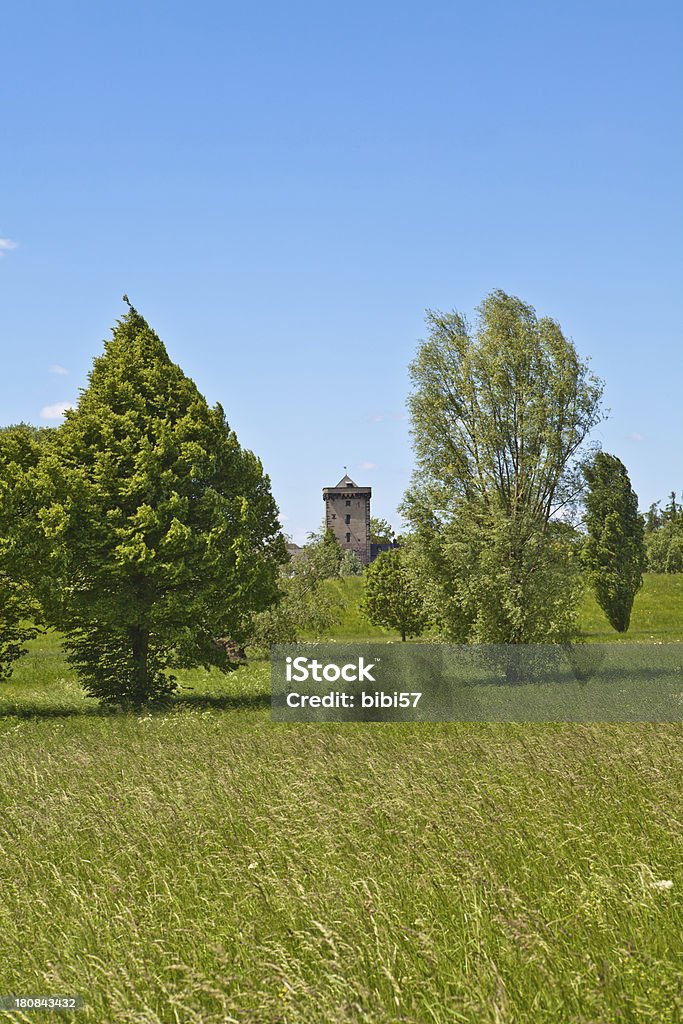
(347, 514)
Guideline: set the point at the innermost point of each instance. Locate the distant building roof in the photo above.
(348, 486)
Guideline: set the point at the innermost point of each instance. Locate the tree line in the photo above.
(664, 536)
(149, 537)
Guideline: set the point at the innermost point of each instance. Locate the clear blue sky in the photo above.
(283, 188)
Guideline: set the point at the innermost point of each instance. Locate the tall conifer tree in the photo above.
(162, 533)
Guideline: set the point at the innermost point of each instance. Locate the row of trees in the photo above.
(501, 415)
(611, 556)
(149, 537)
(664, 536)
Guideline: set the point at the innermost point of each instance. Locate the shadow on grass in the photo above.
(205, 702)
(27, 710)
(222, 701)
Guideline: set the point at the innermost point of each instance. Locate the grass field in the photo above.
(203, 864)
(657, 614)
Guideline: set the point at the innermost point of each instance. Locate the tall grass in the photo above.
(203, 864)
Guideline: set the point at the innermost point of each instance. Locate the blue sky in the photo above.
(282, 189)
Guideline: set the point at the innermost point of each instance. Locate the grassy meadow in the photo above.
(201, 864)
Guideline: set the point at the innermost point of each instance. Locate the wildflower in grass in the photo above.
(663, 884)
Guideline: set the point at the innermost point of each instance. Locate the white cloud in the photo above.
(54, 411)
(376, 419)
(367, 465)
(635, 437)
(6, 244)
(59, 370)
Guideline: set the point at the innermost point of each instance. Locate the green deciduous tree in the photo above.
(350, 564)
(381, 531)
(664, 536)
(309, 604)
(160, 529)
(614, 552)
(325, 552)
(391, 595)
(499, 414)
(664, 548)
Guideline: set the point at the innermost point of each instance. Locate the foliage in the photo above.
(350, 564)
(17, 623)
(330, 554)
(20, 451)
(324, 550)
(161, 530)
(664, 536)
(381, 531)
(306, 605)
(499, 415)
(614, 552)
(391, 595)
(664, 549)
(489, 578)
(657, 614)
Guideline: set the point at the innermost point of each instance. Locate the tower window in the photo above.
(348, 504)
(348, 537)
(347, 519)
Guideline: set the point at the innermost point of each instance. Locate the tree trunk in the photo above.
(139, 642)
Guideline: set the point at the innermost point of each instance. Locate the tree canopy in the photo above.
(391, 595)
(160, 529)
(499, 415)
(381, 531)
(309, 603)
(664, 536)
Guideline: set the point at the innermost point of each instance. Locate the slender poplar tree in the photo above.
(614, 554)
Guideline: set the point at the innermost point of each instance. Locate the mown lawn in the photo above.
(202, 864)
